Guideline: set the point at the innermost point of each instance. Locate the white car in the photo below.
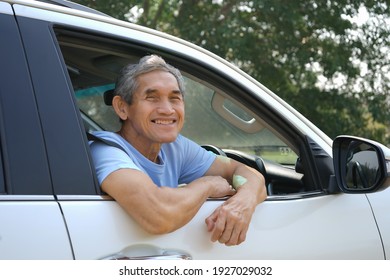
(326, 199)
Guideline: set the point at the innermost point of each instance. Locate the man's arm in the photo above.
(229, 223)
(161, 209)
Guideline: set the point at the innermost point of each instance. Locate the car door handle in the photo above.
(152, 257)
(148, 252)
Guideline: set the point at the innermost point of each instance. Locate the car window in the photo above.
(93, 68)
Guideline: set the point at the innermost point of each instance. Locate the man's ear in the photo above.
(120, 107)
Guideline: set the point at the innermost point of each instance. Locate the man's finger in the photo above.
(219, 226)
(210, 220)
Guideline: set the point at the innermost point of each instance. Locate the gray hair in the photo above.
(127, 82)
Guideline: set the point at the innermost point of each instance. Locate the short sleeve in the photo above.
(196, 161)
(108, 159)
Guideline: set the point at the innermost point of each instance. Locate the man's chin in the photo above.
(167, 138)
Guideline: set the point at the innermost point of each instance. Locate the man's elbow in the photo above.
(160, 226)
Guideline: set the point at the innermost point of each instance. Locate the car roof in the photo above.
(73, 5)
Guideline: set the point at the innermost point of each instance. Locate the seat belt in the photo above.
(92, 137)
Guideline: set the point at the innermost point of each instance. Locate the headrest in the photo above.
(108, 96)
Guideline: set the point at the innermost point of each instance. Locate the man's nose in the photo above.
(165, 107)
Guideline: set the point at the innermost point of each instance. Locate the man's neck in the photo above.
(150, 151)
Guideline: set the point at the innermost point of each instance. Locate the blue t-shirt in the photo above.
(180, 162)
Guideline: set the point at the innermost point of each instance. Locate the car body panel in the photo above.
(6, 8)
(379, 202)
(33, 229)
(326, 227)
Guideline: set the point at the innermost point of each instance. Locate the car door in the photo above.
(306, 228)
(301, 219)
(31, 222)
(302, 224)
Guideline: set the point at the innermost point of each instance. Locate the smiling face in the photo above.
(156, 114)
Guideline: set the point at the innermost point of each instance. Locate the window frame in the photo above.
(71, 169)
(24, 162)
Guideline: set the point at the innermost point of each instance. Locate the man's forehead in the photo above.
(158, 72)
(155, 80)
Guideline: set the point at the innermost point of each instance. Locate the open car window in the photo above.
(212, 116)
(218, 112)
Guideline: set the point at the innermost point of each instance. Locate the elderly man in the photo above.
(144, 175)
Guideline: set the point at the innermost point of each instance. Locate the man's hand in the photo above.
(219, 186)
(229, 223)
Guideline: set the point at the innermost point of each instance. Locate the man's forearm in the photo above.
(251, 182)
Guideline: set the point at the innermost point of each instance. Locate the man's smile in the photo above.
(164, 122)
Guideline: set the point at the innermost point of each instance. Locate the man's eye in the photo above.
(176, 98)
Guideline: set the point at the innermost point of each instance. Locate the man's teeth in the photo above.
(163, 121)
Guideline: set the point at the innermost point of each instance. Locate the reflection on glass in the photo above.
(362, 166)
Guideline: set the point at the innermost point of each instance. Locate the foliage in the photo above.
(331, 68)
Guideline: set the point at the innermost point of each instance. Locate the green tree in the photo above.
(332, 69)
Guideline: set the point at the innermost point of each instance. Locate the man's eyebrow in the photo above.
(177, 91)
(152, 90)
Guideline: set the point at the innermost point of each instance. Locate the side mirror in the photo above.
(361, 165)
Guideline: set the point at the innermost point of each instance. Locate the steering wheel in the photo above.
(214, 149)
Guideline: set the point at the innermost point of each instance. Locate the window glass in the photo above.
(97, 114)
(234, 128)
